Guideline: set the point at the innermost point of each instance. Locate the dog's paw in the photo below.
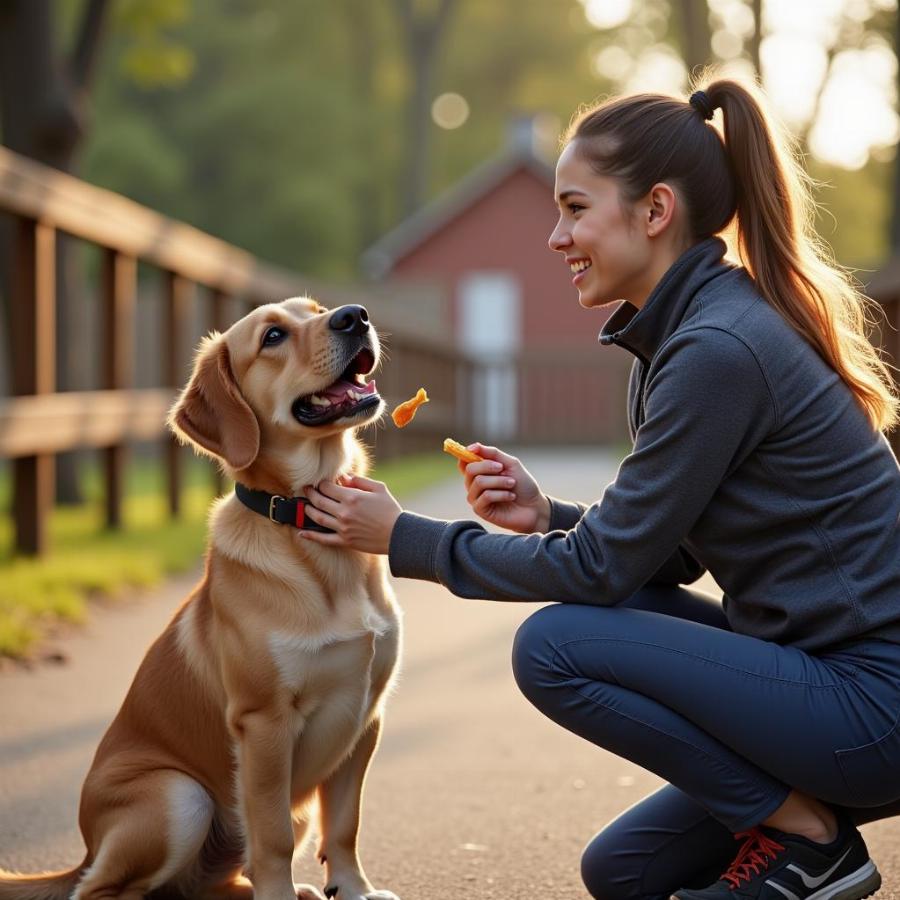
(308, 892)
(334, 892)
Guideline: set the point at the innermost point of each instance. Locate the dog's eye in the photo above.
(273, 335)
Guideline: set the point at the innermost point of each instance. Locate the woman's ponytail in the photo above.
(792, 267)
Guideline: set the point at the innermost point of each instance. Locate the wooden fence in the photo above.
(37, 422)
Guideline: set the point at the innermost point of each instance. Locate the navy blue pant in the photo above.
(733, 723)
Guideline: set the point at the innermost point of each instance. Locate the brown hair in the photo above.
(755, 173)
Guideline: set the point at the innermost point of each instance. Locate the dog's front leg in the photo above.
(265, 740)
(340, 799)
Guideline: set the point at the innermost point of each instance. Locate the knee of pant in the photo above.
(604, 877)
(532, 653)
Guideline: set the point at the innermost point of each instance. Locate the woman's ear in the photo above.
(211, 414)
(661, 206)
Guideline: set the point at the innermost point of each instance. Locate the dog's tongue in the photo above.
(338, 391)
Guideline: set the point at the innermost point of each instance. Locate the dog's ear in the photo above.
(211, 414)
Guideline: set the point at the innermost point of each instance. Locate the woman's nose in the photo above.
(559, 239)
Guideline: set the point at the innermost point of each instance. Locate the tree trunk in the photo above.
(756, 38)
(361, 27)
(423, 36)
(697, 37)
(42, 113)
(895, 210)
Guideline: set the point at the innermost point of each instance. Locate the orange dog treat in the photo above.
(454, 448)
(404, 413)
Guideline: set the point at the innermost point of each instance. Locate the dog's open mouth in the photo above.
(350, 395)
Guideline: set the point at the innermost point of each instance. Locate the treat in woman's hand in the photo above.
(454, 448)
(404, 413)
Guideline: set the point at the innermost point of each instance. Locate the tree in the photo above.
(43, 114)
(696, 38)
(422, 34)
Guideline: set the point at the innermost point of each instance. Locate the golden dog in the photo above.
(265, 692)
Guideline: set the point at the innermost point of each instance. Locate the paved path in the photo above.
(473, 793)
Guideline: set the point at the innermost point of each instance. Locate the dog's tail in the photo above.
(46, 886)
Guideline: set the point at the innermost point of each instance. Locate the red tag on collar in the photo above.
(301, 514)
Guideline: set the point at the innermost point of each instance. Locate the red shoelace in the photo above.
(753, 856)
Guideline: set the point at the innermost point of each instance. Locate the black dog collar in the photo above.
(282, 510)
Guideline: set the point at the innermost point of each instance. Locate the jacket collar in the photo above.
(642, 331)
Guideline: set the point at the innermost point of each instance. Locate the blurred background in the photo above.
(168, 164)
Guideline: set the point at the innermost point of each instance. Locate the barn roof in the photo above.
(383, 255)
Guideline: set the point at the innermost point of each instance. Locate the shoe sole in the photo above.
(858, 885)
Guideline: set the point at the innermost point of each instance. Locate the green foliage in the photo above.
(151, 56)
(288, 137)
(854, 214)
(281, 127)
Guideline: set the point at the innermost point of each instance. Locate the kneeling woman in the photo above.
(758, 409)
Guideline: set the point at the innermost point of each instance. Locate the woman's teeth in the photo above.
(580, 265)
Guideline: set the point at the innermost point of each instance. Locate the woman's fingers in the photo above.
(323, 502)
(327, 540)
(490, 498)
(477, 470)
(361, 482)
(318, 513)
(494, 453)
(483, 483)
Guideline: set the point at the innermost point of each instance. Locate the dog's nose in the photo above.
(350, 320)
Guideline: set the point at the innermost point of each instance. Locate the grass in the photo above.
(88, 562)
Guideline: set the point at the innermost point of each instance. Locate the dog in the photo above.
(265, 693)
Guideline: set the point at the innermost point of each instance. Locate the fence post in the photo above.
(33, 320)
(177, 311)
(118, 289)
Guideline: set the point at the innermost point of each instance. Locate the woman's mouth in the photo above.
(578, 268)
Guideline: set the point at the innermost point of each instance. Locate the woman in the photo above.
(757, 408)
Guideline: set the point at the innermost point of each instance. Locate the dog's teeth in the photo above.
(316, 400)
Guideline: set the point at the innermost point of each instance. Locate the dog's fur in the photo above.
(265, 692)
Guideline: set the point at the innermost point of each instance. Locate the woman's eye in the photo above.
(574, 208)
(274, 336)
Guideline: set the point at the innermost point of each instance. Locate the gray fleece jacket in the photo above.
(751, 459)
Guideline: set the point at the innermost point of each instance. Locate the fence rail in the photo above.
(37, 422)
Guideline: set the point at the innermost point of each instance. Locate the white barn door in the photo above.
(490, 329)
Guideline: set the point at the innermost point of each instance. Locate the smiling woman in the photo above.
(757, 408)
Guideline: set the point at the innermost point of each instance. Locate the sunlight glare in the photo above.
(450, 111)
(793, 68)
(856, 114)
(607, 13)
(613, 63)
(817, 20)
(659, 69)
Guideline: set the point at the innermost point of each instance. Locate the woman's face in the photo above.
(607, 251)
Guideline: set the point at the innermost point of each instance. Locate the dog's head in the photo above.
(284, 375)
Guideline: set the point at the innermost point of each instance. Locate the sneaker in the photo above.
(774, 865)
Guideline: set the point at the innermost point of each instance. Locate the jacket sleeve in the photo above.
(707, 406)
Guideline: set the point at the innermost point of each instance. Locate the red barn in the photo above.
(512, 304)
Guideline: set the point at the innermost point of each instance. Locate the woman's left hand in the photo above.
(361, 511)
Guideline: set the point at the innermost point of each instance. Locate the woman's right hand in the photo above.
(502, 491)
